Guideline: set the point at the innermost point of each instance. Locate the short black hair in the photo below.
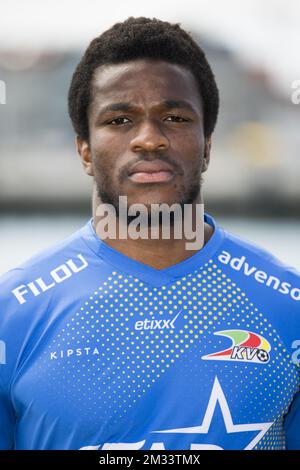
(142, 38)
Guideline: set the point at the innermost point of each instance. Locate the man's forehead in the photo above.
(116, 79)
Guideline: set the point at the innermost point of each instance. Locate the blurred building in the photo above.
(255, 164)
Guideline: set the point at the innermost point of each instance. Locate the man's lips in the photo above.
(155, 177)
(155, 171)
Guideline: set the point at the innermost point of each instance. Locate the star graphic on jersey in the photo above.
(217, 396)
(211, 432)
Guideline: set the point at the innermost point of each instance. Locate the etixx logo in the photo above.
(246, 347)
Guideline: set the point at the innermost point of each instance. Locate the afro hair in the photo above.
(141, 38)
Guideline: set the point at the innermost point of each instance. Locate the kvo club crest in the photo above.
(246, 347)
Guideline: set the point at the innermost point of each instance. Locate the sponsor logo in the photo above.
(241, 264)
(69, 353)
(59, 274)
(156, 324)
(216, 432)
(246, 347)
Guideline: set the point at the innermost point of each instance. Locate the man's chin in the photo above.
(150, 200)
(156, 196)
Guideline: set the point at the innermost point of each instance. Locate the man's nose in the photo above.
(149, 138)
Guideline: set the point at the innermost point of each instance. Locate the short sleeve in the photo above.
(292, 425)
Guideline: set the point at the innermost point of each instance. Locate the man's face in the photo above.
(146, 137)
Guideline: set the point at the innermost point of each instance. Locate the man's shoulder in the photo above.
(56, 257)
(271, 286)
(255, 255)
(39, 289)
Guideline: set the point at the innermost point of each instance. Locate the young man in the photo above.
(136, 343)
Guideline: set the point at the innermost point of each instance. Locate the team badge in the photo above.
(246, 347)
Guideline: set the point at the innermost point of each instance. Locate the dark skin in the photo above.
(140, 111)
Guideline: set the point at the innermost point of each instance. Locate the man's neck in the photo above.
(158, 253)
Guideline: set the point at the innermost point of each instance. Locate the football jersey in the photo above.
(99, 351)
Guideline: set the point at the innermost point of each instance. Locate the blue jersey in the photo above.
(99, 351)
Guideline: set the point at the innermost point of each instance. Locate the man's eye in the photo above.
(175, 119)
(118, 121)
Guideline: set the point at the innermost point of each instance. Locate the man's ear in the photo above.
(84, 153)
(206, 157)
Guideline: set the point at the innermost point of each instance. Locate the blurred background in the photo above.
(253, 184)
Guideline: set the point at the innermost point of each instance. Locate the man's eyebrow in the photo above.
(122, 106)
(172, 104)
(126, 107)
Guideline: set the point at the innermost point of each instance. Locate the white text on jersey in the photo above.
(155, 324)
(56, 276)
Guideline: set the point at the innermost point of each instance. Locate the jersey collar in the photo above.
(155, 277)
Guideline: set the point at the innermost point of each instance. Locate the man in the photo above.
(142, 343)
